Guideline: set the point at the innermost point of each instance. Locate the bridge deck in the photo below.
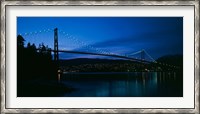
(100, 54)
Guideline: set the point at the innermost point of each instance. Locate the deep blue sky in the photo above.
(159, 36)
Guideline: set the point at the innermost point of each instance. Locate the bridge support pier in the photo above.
(56, 56)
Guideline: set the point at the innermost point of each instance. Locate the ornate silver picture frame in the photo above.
(85, 3)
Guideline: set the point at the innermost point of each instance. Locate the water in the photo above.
(143, 84)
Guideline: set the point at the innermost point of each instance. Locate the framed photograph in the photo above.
(100, 56)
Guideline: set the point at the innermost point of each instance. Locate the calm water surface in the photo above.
(143, 84)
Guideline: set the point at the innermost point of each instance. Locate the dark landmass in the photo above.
(81, 61)
(165, 63)
(176, 60)
(36, 72)
(42, 88)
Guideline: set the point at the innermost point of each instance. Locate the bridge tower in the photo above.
(142, 55)
(56, 44)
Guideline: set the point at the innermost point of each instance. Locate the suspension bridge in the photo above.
(139, 56)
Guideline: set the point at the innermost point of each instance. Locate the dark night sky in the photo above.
(159, 36)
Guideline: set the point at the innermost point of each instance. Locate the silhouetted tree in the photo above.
(33, 47)
(20, 41)
(29, 45)
(33, 65)
(42, 48)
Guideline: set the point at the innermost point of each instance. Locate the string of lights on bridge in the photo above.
(36, 32)
(71, 37)
(67, 35)
(82, 44)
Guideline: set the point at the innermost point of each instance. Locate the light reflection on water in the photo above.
(145, 84)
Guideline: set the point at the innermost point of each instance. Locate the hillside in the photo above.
(81, 61)
(176, 60)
